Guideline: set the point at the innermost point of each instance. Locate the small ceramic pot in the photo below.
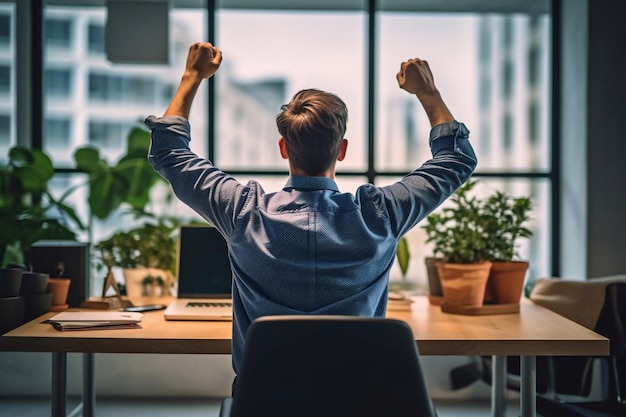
(34, 283)
(59, 287)
(37, 304)
(10, 282)
(11, 313)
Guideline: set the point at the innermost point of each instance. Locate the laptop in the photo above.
(204, 276)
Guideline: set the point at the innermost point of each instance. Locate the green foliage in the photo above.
(473, 230)
(28, 212)
(403, 255)
(504, 218)
(151, 245)
(128, 181)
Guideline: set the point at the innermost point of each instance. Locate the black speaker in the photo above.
(67, 259)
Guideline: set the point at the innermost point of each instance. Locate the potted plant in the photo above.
(505, 218)
(146, 250)
(28, 212)
(460, 240)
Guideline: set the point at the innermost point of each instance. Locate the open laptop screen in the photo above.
(203, 265)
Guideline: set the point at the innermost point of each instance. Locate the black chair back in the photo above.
(330, 366)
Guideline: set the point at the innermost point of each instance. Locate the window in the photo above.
(58, 82)
(58, 33)
(95, 38)
(106, 135)
(58, 132)
(269, 56)
(5, 79)
(5, 29)
(5, 134)
(492, 68)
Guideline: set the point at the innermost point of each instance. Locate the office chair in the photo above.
(564, 383)
(571, 376)
(329, 366)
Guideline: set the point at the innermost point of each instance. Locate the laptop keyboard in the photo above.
(209, 304)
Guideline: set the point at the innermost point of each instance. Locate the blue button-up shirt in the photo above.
(309, 248)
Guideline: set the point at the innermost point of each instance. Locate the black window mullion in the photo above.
(371, 88)
(210, 8)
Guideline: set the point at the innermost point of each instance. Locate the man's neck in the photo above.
(297, 172)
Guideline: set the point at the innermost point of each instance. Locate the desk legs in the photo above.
(59, 381)
(498, 386)
(89, 387)
(528, 389)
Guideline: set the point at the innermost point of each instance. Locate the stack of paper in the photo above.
(105, 320)
(397, 301)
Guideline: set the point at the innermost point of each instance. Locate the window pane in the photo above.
(104, 100)
(58, 83)
(7, 79)
(268, 57)
(58, 32)
(493, 72)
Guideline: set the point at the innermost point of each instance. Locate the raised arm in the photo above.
(203, 60)
(416, 78)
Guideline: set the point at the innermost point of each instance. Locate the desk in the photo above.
(535, 331)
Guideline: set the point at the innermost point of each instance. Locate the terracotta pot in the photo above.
(463, 284)
(506, 282)
(59, 288)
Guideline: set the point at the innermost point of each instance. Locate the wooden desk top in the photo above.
(534, 331)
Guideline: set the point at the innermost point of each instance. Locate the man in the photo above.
(309, 249)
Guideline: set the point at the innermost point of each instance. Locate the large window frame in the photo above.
(371, 9)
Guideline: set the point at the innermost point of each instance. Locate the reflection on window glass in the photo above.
(492, 71)
(268, 57)
(102, 100)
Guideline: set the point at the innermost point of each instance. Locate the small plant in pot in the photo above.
(146, 250)
(505, 218)
(459, 236)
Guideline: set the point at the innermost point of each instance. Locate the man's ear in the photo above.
(342, 150)
(283, 148)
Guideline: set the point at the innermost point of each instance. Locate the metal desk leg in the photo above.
(528, 400)
(498, 386)
(59, 381)
(89, 386)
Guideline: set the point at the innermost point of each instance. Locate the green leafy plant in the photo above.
(151, 244)
(403, 256)
(504, 218)
(28, 211)
(472, 230)
(129, 181)
(458, 231)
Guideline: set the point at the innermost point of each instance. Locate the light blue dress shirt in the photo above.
(309, 248)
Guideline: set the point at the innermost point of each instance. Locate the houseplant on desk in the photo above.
(148, 250)
(505, 218)
(28, 211)
(460, 240)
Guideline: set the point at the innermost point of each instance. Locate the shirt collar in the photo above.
(311, 183)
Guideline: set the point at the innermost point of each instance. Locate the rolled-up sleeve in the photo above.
(411, 199)
(213, 194)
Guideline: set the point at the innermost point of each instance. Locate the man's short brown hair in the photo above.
(313, 125)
